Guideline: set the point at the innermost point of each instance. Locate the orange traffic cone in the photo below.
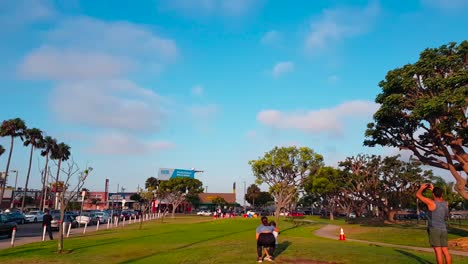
(342, 236)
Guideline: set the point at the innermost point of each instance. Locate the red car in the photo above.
(296, 214)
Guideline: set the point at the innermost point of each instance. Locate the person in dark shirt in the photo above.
(437, 229)
(265, 239)
(47, 222)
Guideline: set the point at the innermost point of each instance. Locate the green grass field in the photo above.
(203, 240)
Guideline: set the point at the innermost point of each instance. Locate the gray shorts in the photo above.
(437, 237)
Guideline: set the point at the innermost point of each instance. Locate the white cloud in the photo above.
(55, 64)
(23, 12)
(231, 8)
(329, 120)
(334, 25)
(282, 68)
(117, 37)
(449, 5)
(197, 90)
(116, 104)
(121, 144)
(272, 37)
(87, 48)
(204, 112)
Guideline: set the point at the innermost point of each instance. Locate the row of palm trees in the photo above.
(35, 139)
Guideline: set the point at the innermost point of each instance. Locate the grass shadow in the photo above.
(416, 258)
(281, 247)
(457, 231)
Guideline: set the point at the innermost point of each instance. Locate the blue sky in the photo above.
(137, 86)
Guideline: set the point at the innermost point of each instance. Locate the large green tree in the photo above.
(326, 183)
(386, 183)
(423, 109)
(12, 128)
(176, 190)
(49, 143)
(284, 171)
(33, 138)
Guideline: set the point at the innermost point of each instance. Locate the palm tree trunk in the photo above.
(27, 178)
(56, 183)
(44, 179)
(2, 189)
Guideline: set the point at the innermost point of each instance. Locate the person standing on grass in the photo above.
(47, 222)
(265, 239)
(437, 229)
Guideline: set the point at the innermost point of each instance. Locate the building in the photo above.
(206, 200)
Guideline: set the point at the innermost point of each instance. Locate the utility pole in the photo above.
(244, 196)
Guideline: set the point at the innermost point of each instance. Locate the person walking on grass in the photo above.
(437, 229)
(47, 222)
(265, 239)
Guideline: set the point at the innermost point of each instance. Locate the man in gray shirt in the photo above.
(437, 229)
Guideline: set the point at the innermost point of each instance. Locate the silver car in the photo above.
(34, 216)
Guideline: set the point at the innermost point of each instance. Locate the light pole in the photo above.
(244, 196)
(14, 190)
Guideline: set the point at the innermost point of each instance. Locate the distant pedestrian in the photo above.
(265, 239)
(47, 222)
(437, 229)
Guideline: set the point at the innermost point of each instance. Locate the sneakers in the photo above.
(267, 258)
(259, 260)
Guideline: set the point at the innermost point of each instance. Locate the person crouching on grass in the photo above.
(436, 229)
(275, 234)
(265, 239)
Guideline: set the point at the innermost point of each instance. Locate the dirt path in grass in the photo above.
(333, 231)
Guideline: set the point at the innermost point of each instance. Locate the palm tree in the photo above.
(10, 128)
(34, 138)
(61, 153)
(49, 144)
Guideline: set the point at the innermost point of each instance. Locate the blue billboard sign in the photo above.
(166, 174)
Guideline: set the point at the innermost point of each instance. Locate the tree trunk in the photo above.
(27, 178)
(62, 214)
(56, 183)
(173, 210)
(390, 215)
(2, 189)
(44, 179)
(277, 214)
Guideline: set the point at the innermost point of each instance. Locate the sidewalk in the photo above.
(333, 231)
(6, 242)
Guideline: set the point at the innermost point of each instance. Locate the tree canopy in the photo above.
(151, 182)
(177, 190)
(284, 171)
(423, 109)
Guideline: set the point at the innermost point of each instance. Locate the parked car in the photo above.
(6, 225)
(125, 215)
(17, 217)
(34, 216)
(83, 219)
(296, 214)
(55, 224)
(204, 213)
(103, 217)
